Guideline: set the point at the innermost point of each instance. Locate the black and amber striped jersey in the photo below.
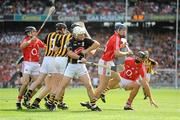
(150, 63)
(77, 46)
(61, 42)
(50, 42)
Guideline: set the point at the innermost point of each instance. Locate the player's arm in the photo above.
(24, 44)
(146, 86)
(73, 55)
(119, 53)
(94, 46)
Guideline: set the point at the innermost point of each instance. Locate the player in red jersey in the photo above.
(30, 48)
(112, 51)
(133, 75)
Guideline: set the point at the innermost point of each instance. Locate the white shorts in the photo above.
(104, 71)
(31, 68)
(124, 82)
(61, 64)
(75, 70)
(48, 65)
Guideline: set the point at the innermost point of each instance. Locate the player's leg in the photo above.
(112, 84)
(103, 82)
(44, 91)
(104, 77)
(61, 64)
(87, 83)
(32, 87)
(54, 98)
(134, 87)
(25, 82)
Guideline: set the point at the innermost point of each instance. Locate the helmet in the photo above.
(74, 25)
(141, 55)
(146, 53)
(78, 30)
(119, 26)
(29, 29)
(60, 26)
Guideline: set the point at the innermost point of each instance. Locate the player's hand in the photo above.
(33, 38)
(83, 60)
(153, 103)
(84, 52)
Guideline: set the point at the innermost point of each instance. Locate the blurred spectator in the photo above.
(96, 7)
(161, 46)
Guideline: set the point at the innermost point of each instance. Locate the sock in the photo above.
(104, 91)
(51, 98)
(29, 93)
(37, 101)
(61, 100)
(128, 103)
(19, 98)
(48, 96)
(93, 102)
(55, 102)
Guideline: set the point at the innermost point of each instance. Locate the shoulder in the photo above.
(25, 39)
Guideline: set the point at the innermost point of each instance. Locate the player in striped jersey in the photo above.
(48, 68)
(78, 47)
(150, 64)
(61, 63)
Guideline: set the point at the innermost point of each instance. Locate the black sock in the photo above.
(29, 93)
(37, 101)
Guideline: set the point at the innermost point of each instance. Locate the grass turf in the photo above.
(167, 99)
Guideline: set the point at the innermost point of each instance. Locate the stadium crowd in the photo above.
(79, 7)
(158, 44)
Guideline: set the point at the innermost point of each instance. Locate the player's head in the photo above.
(140, 57)
(61, 28)
(146, 53)
(30, 30)
(79, 33)
(120, 29)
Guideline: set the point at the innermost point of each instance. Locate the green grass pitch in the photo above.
(167, 99)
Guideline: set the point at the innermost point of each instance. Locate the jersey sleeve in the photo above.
(24, 40)
(88, 42)
(41, 44)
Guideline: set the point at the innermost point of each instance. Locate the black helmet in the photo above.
(60, 26)
(119, 26)
(29, 29)
(141, 55)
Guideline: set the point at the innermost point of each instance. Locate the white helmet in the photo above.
(78, 30)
